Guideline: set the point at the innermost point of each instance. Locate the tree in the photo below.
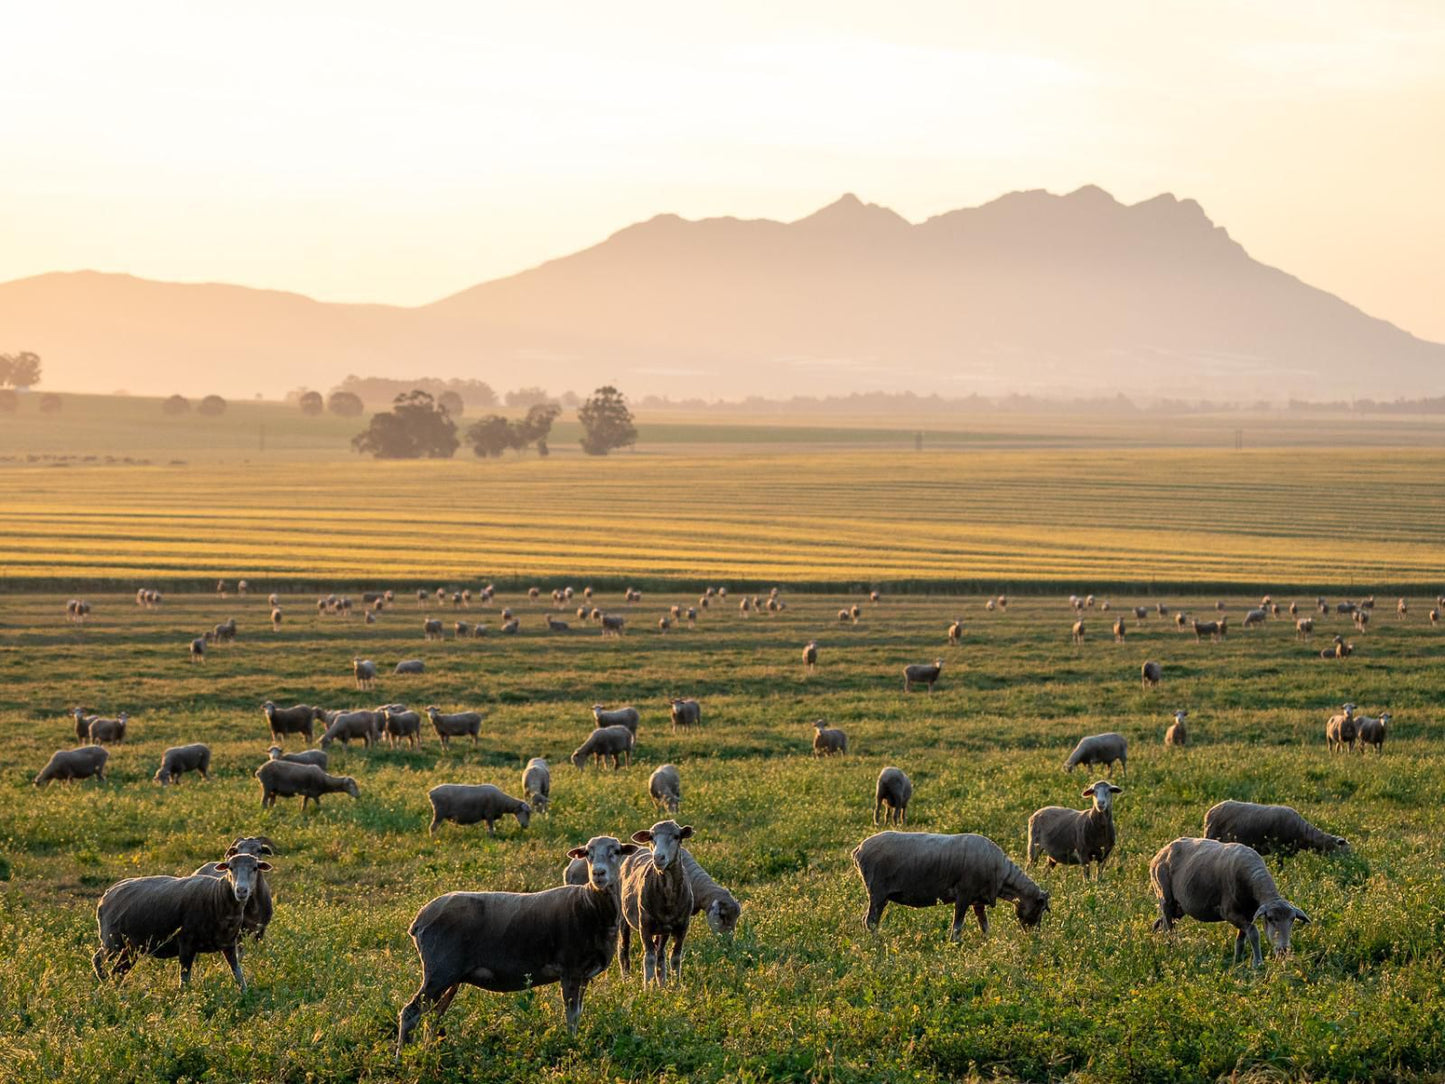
(20, 370)
(176, 404)
(490, 436)
(527, 397)
(452, 403)
(211, 406)
(345, 405)
(415, 427)
(50, 404)
(606, 422)
(311, 403)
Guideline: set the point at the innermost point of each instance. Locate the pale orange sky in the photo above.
(398, 153)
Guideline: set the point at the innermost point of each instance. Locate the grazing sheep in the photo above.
(1161, 609)
(894, 791)
(1267, 828)
(692, 617)
(613, 624)
(460, 724)
(581, 613)
(432, 628)
(1102, 749)
(656, 902)
(286, 779)
(410, 666)
(259, 908)
(176, 916)
(506, 613)
(1434, 617)
(684, 712)
(1254, 617)
(709, 899)
(365, 671)
(990, 605)
(1303, 626)
(460, 629)
(626, 716)
(828, 740)
(1402, 609)
(509, 941)
(1222, 882)
(1338, 650)
(665, 786)
(179, 759)
(293, 720)
(1119, 629)
(921, 674)
(1371, 731)
(1219, 605)
(464, 804)
(1177, 734)
(1208, 629)
(68, 764)
(555, 625)
(512, 627)
(108, 731)
(1346, 607)
(198, 649)
(1070, 837)
(663, 624)
(605, 742)
(1361, 619)
(348, 726)
(1340, 730)
(810, 655)
(843, 615)
(399, 724)
(955, 632)
(537, 785)
(1150, 674)
(317, 757)
(919, 869)
(1076, 634)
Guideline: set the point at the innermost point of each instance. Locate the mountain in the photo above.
(1075, 294)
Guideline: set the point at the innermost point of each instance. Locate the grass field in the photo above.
(802, 992)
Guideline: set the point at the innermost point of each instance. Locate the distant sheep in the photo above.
(410, 666)
(1303, 626)
(1177, 734)
(685, 713)
(613, 624)
(464, 804)
(1103, 749)
(891, 795)
(1150, 674)
(364, 671)
(460, 724)
(298, 719)
(1071, 837)
(810, 655)
(109, 731)
(432, 628)
(1267, 828)
(68, 764)
(537, 785)
(179, 759)
(606, 743)
(828, 740)
(922, 674)
(665, 787)
(1076, 634)
(625, 716)
(285, 779)
(198, 649)
(955, 633)
(1370, 730)
(317, 757)
(1340, 731)
(1254, 617)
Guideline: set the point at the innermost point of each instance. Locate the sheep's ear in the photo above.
(1341, 841)
(644, 836)
(1116, 790)
(1087, 792)
(1300, 917)
(222, 867)
(686, 832)
(627, 848)
(263, 867)
(577, 852)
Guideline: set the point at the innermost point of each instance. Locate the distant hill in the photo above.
(1035, 293)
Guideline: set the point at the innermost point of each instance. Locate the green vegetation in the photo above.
(802, 993)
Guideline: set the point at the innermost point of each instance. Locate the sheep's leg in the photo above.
(436, 821)
(429, 994)
(624, 951)
(664, 975)
(232, 953)
(572, 991)
(980, 913)
(1239, 940)
(1253, 936)
(649, 960)
(186, 954)
(677, 939)
(960, 911)
(874, 913)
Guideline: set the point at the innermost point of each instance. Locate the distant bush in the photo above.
(528, 397)
(50, 404)
(176, 404)
(312, 404)
(452, 403)
(345, 405)
(211, 406)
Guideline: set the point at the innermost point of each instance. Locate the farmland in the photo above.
(802, 992)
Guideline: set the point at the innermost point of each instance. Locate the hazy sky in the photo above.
(400, 152)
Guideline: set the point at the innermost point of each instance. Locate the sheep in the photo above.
(1294, 609)
(716, 904)
(285, 779)
(179, 759)
(1254, 617)
(1203, 629)
(276, 617)
(657, 902)
(990, 605)
(108, 731)
(273, 600)
(410, 666)
(1402, 609)
(455, 725)
(259, 908)
(1368, 604)
(1150, 674)
(1219, 605)
(1346, 607)
(297, 719)
(506, 614)
(665, 786)
(855, 612)
(365, 672)
(1181, 620)
(511, 627)
(1340, 730)
(1141, 613)
(921, 674)
(605, 742)
(1222, 882)
(509, 941)
(1371, 731)
(176, 916)
(955, 632)
(1161, 609)
(68, 764)
(554, 625)
(537, 785)
(810, 655)
(843, 615)
(306, 756)
(684, 712)
(581, 613)
(894, 791)
(1177, 734)
(534, 593)
(1361, 619)
(1102, 749)
(625, 716)
(675, 612)
(663, 624)
(1434, 616)
(198, 649)
(1068, 837)
(460, 629)
(1076, 633)
(919, 869)
(1119, 630)
(1303, 626)
(612, 624)
(347, 726)
(745, 606)
(692, 617)
(399, 724)
(82, 724)
(1267, 828)
(432, 628)
(828, 740)
(464, 804)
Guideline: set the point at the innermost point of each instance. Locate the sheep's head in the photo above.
(579, 761)
(252, 845)
(1103, 794)
(722, 915)
(665, 838)
(349, 785)
(1280, 917)
(524, 814)
(604, 855)
(1030, 912)
(241, 871)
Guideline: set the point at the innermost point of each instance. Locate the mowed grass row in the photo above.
(802, 992)
(1136, 517)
